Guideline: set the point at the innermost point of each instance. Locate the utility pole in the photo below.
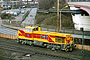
(34, 2)
(27, 3)
(82, 29)
(20, 3)
(58, 18)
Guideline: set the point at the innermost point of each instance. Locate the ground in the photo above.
(10, 49)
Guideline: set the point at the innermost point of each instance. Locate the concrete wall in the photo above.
(8, 36)
(86, 47)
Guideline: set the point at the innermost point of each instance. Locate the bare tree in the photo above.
(46, 4)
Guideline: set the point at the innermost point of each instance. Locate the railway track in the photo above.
(12, 42)
(15, 48)
(36, 53)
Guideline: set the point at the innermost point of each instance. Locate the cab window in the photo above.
(60, 39)
(28, 30)
(35, 29)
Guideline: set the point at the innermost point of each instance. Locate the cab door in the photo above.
(29, 34)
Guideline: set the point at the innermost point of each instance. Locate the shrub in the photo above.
(25, 15)
(6, 16)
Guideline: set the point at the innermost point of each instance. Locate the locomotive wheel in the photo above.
(53, 49)
(30, 43)
(70, 49)
(47, 47)
(23, 42)
(66, 49)
(18, 41)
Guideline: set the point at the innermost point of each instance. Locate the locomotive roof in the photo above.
(30, 27)
(52, 33)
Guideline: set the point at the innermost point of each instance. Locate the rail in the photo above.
(10, 46)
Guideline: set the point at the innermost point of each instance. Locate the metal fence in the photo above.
(77, 0)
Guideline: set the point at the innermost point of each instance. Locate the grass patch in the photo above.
(51, 19)
(25, 15)
(4, 55)
(7, 16)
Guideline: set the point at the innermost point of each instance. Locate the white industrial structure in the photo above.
(13, 3)
(9, 3)
(81, 20)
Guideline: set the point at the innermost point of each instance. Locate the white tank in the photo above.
(81, 21)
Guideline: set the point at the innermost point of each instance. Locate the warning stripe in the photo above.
(68, 40)
(34, 35)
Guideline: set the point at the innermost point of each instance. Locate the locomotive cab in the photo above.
(36, 28)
